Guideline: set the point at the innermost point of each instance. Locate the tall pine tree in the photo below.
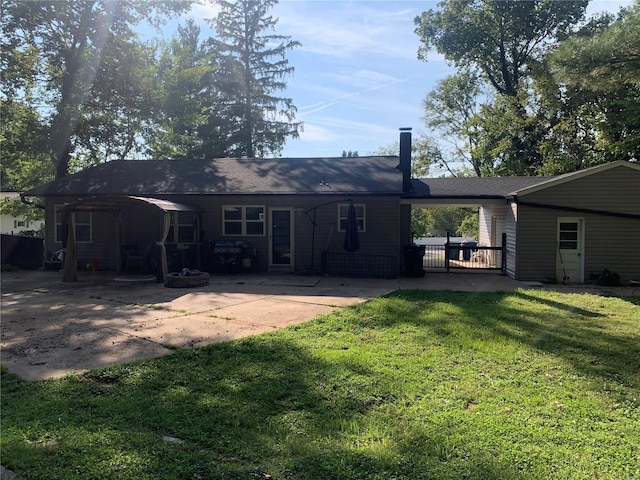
(252, 67)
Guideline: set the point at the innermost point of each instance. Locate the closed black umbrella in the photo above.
(351, 241)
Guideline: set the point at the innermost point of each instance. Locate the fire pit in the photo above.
(186, 279)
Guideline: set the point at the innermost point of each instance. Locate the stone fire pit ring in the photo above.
(189, 279)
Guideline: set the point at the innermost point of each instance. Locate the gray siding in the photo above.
(610, 242)
(380, 235)
(616, 189)
(536, 254)
(142, 226)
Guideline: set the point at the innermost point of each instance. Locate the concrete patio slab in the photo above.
(274, 312)
(73, 348)
(50, 328)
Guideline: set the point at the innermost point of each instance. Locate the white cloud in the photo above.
(204, 11)
(362, 78)
(357, 88)
(347, 29)
(314, 132)
(330, 135)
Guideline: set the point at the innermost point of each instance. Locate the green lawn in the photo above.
(417, 385)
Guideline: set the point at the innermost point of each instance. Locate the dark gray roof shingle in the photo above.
(242, 176)
(471, 187)
(359, 175)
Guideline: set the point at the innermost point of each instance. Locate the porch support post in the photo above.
(198, 241)
(504, 252)
(447, 250)
(70, 266)
(118, 221)
(163, 248)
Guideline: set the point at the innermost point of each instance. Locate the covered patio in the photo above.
(163, 223)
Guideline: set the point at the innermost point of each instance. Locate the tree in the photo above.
(425, 153)
(421, 222)
(23, 137)
(188, 123)
(596, 59)
(456, 220)
(24, 162)
(56, 50)
(506, 40)
(252, 67)
(500, 37)
(452, 109)
(119, 106)
(570, 120)
(469, 226)
(603, 65)
(349, 154)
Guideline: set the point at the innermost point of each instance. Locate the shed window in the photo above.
(343, 212)
(245, 220)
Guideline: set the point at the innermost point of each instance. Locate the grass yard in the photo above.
(417, 385)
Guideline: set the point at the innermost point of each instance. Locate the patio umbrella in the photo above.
(351, 241)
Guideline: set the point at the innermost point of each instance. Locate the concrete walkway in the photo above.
(50, 329)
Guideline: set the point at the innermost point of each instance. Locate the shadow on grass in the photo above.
(592, 341)
(352, 465)
(268, 405)
(229, 411)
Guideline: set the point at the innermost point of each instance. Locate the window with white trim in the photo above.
(244, 220)
(568, 236)
(343, 212)
(82, 226)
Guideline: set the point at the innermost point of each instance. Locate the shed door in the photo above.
(569, 258)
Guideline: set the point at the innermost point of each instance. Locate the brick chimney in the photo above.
(405, 159)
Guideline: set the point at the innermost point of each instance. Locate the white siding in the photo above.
(511, 229)
(494, 221)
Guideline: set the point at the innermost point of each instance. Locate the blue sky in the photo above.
(357, 78)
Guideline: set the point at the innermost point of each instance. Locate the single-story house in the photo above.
(275, 215)
(290, 215)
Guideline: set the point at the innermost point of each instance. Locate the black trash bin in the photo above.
(413, 260)
(467, 248)
(454, 251)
